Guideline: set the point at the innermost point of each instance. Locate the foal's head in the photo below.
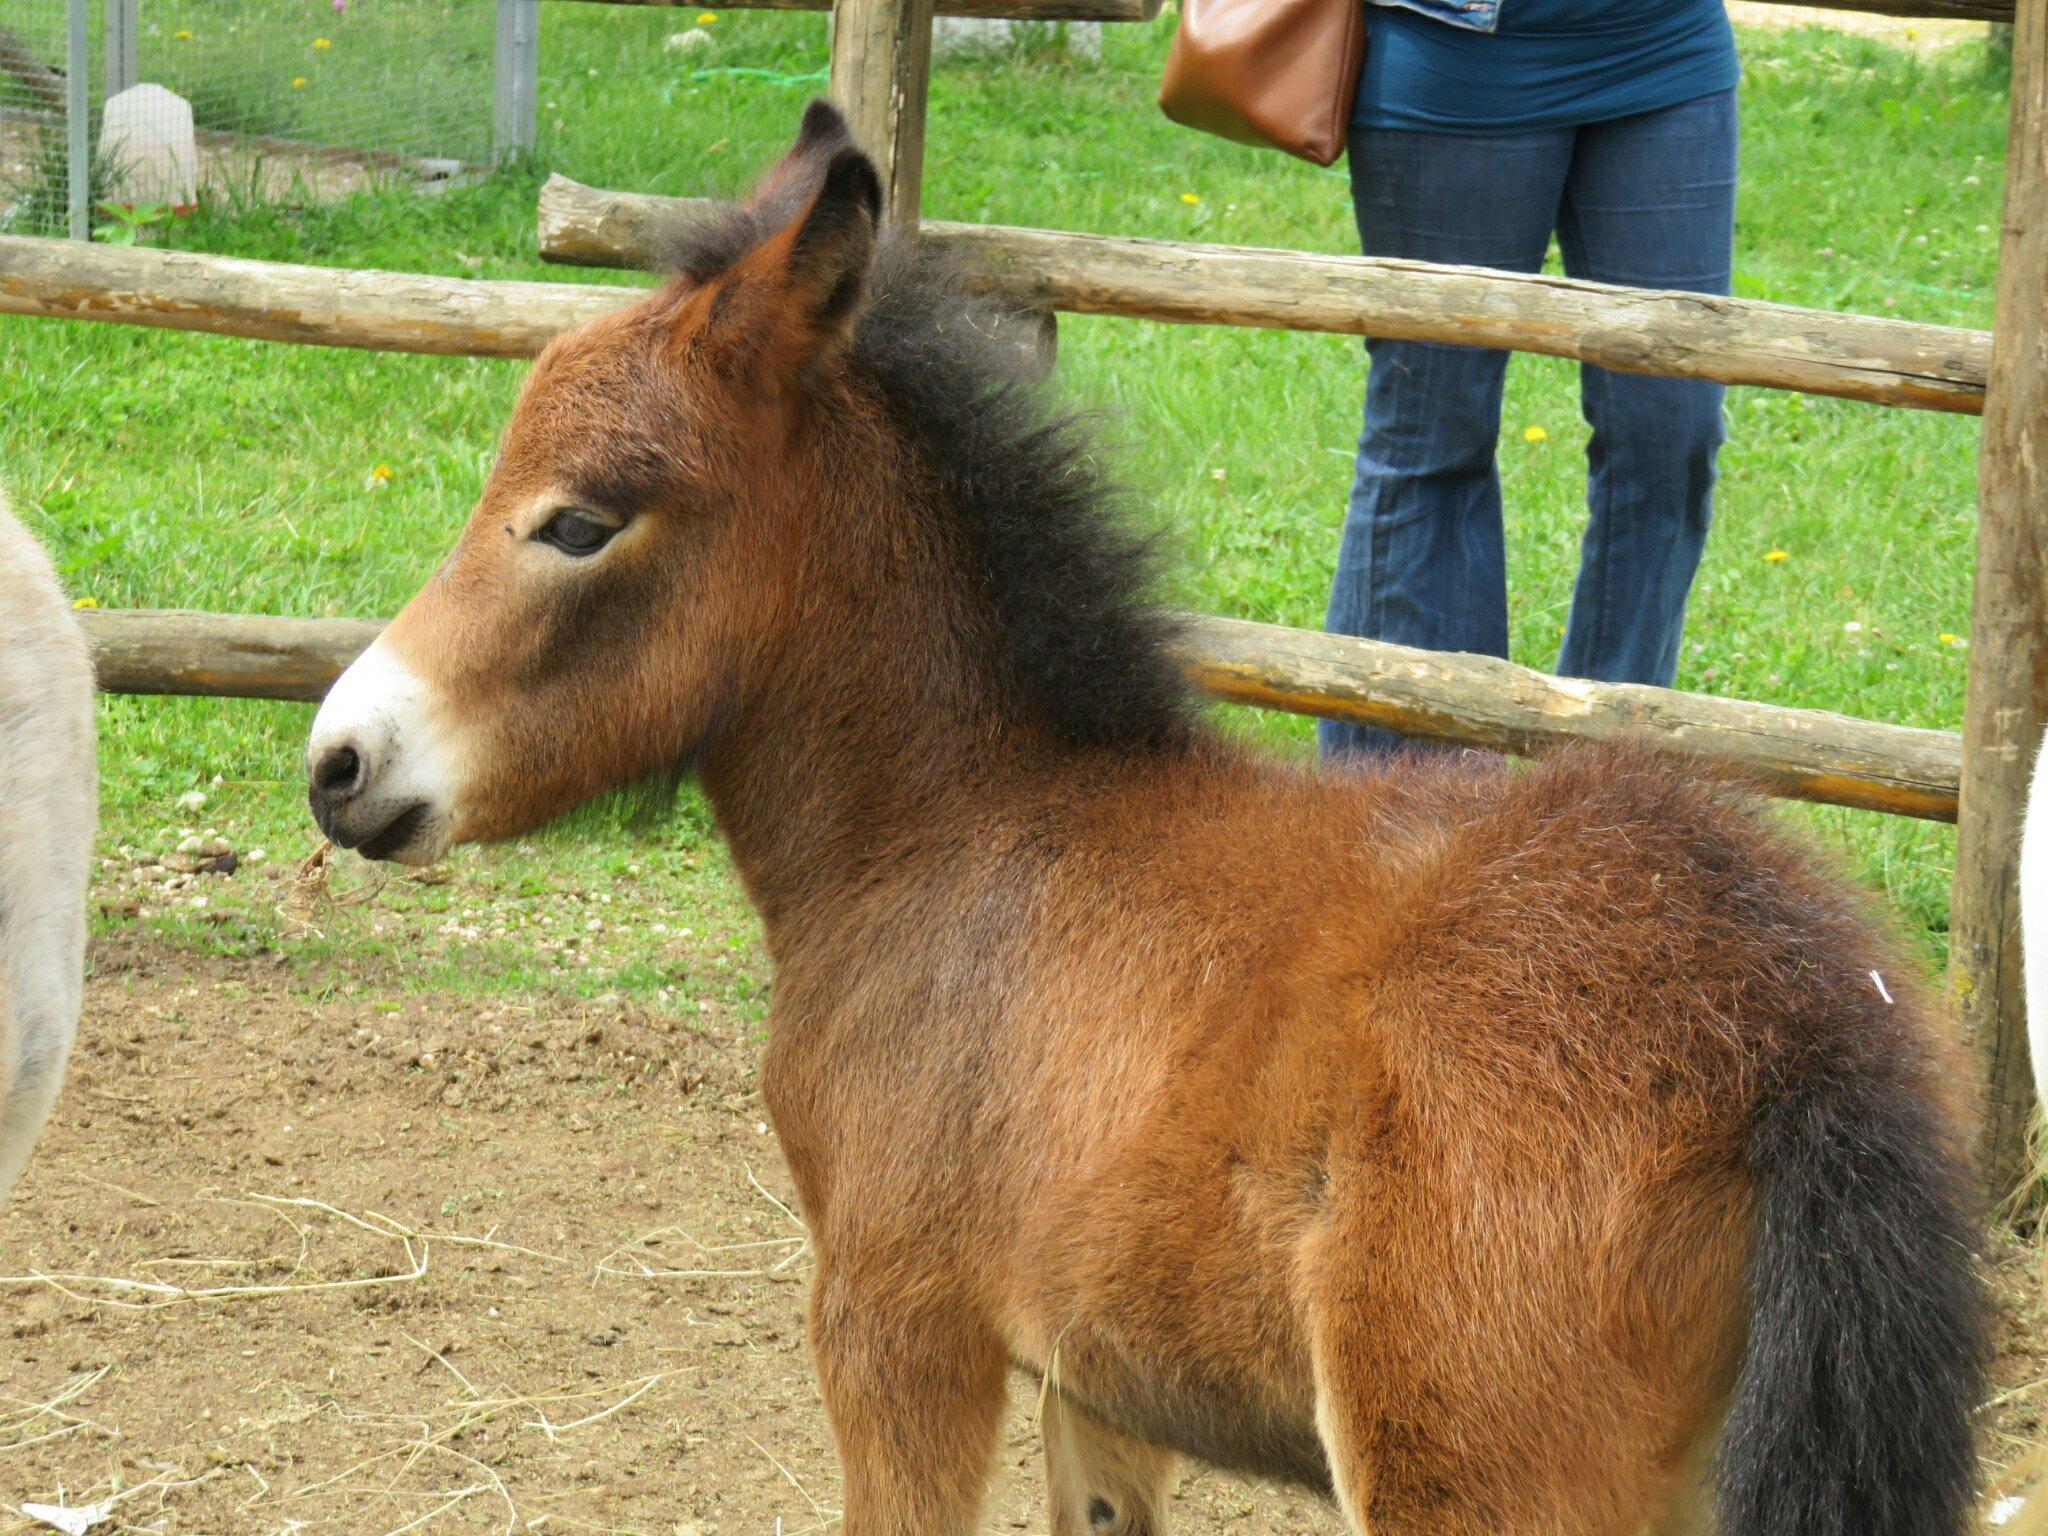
(620, 563)
(675, 478)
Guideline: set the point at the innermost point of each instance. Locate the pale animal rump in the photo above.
(48, 799)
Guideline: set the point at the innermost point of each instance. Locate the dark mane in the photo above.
(1081, 645)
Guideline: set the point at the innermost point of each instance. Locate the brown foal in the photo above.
(1495, 1150)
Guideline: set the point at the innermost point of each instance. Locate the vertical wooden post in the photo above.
(881, 66)
(2008, 686)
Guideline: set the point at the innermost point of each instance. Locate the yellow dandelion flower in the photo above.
(1776, 556)
(705, 18)
(85, 602)
(183, 34)
(322, 43)
(1535, 435)
(1948, 639)
(298, 82)
(1191, 198)
(381, 472)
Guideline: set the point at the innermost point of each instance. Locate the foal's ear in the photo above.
(797, 292)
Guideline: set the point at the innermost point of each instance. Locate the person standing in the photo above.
(1480, 129)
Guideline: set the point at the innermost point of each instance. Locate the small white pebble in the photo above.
(1852, 628)
(760, 1127)
(191, 800)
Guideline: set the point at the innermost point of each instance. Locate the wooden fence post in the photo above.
(881, 66)
(2008, 687)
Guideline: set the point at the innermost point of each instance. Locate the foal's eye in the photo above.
(575, 532)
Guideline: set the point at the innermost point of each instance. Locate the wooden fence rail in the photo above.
(1478, 701)
(1633, 330)
(1144, 10)
(1958, 10)
(277, 301)
(1737, 341)
(1006, 10)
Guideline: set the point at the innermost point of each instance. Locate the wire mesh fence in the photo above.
(241, 99)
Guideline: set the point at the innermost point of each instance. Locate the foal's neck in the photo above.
(882, 734)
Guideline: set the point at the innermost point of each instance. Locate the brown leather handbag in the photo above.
(1269, 72)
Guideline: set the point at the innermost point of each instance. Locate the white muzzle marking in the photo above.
(395, 797)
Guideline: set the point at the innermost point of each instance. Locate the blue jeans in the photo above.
(1647, 201)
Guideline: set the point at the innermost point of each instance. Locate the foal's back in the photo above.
(47, 804)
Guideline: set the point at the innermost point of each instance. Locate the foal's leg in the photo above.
(914, 1389)
(1100, 1481)
(1490, 1440)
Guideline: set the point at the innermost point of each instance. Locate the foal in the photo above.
(47, 802)
(1483, 1148)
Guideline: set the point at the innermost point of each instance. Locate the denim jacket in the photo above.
(1473, 15)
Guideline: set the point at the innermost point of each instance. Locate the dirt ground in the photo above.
(305, 1252)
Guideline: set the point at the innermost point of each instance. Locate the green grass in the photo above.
(196, 471)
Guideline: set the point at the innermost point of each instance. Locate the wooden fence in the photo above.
(879, 67)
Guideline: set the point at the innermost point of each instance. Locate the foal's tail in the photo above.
(1865, 1358)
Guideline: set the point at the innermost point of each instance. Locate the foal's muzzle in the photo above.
(377, 765)
(380, 828)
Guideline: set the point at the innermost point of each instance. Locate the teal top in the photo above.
(1506, 66)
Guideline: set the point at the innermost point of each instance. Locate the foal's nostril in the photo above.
(339, 773)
